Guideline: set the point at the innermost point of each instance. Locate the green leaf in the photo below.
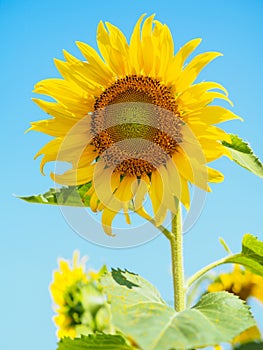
(70, 196)
(120, 278)
(119, 284)
(252, 247)
(250, 346)
(140, 313)
(251, 256)
(93, 342)
(243, 155)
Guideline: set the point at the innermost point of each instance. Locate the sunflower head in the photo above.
(245, 285)
(80, 304)
(131, 121)
(241, 282)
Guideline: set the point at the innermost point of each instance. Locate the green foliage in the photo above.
(86, 307)
(250, 346)
(141, 290)
(251, 256)
(141, 313)
(69, 196)
(243, 155)
(119, 276)
(95, 341)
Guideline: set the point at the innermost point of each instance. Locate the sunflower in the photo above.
(245, 285)
(132, 122)
(80, 304)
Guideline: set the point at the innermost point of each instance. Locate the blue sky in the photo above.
(33, 236)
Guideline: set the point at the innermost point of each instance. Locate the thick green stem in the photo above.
(176, 242)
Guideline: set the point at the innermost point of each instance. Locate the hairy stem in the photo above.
(176, 243)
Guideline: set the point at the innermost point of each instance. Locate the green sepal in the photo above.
(95, 341)
(140, 312)
(74, 196)
(243, 155)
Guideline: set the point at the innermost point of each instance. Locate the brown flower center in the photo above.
(244, 293)
(136, 125)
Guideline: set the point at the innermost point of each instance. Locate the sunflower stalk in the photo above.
(176, 243)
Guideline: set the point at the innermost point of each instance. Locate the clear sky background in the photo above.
(33, 236)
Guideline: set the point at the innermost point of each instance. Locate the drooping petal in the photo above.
(169, 199)
(156, 194)
(141, 191)
(107, 217)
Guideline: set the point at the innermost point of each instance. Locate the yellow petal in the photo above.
(169, 199)
(212, 115)
(105, 183)
(119, 44)
(52, 127)
(94, 201)
(147, 45)
(202, 129)
(141, 192)
(164, 53)
(191, 170)
(214, 175)
(124, 191)
(250, 334)
(141, 211)
(57, 110)
(107, 218)
(257, 290)
(185, 196)
(191, 145)
(156, 195)
(174, 178)
(195, 96)
(136, 57)
(74, 177)
(95, 61)
(213, 149)
(82, 74)
(67, 93)
(110, 54)
(192, 70)
(175, 69)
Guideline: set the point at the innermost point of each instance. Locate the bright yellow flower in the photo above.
(132, 121)
(78, 300)
(240, 282)
(65, 278)
(245, 285)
